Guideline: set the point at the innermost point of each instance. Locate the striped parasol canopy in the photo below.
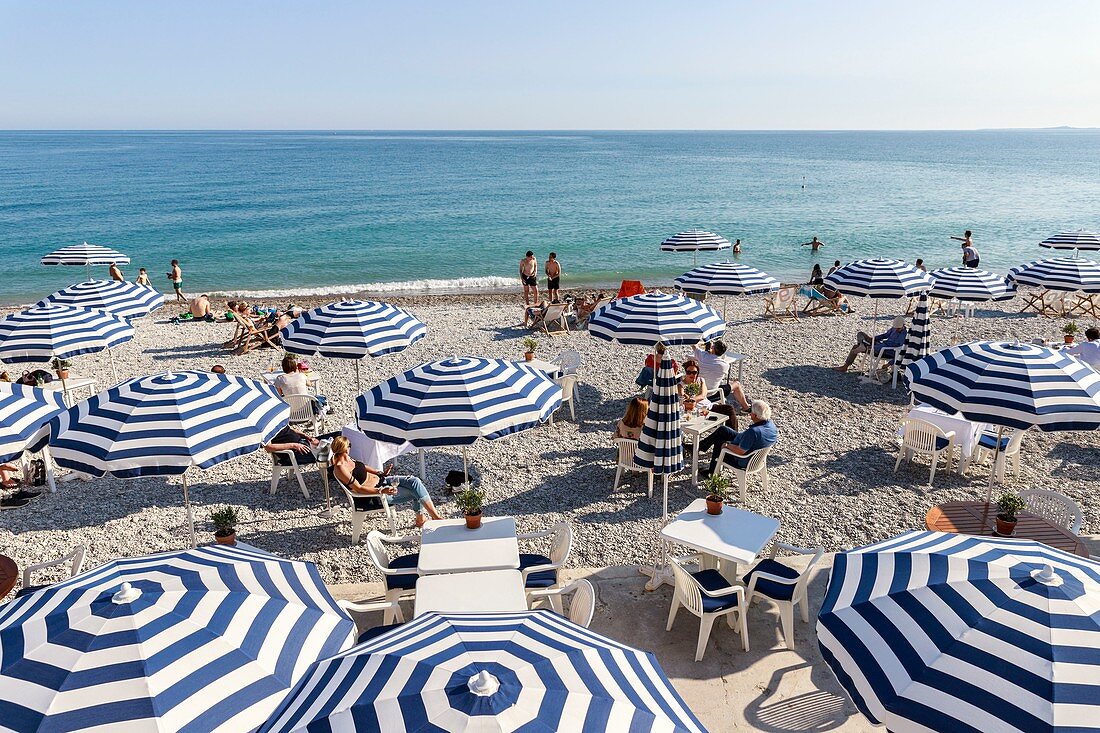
(970, 285)
(727, 278)
(85, 255)
(878, 278)
(163, 424)
(24, 411)
(694, 240)
(918, 337)
(931, 631)
(1078, 240)
(42, 333)
(651, 318)
(124, 299)
(203, 640)
(660, 447)
(1066, 274)
(532, 671)
(457, 401)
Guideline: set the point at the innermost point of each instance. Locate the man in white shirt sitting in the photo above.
(1087, 351)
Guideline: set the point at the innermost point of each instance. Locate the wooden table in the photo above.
(966, 517)
(9, 575)
(446, 546)
(478, 592)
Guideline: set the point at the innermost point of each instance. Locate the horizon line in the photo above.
(534, 129)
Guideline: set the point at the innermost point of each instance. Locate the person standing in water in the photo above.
(970, 254)
(814, 244)
(116, 274)
(737, 247)
(143, 277)
(553, 277)
(176, 276)
(529, 276)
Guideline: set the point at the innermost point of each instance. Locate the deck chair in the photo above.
(581, 318)
(782, 303)
(818, 302)
(255, 335)
(1084, 304)
(553, 320)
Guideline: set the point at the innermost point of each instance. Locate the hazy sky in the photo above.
(549, 65)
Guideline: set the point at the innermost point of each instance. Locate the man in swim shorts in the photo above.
(528, 275)
(553, 277)
(176, 276)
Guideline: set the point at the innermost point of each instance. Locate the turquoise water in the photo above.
(287, 212)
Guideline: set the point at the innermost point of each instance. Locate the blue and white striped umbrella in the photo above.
(24, 411)
(42, 333)
(651, 318)
(124, 299)
(727, 278)
(85, 255)
(353, 329)
(879, 278)
(1079, 240)
(203, 640)
(456, 401)
(970, 285)
(660, 446)
(694, 240)
(533, 671)
(1011, 385)
(918, 337)
(948, 632)
(1066, 274)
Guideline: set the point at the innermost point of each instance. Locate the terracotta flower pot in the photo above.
(229, 539)
(62, 373)
(529, 355)
(1005, 528)
(473, 521)
(714, 506)
(1069, 338)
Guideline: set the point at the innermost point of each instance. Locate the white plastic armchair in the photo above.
(561, 543)
(390, 609)
(400, 581)
(358, 516)
(624, 448)
(1054, 507)
(568, 384)
(278, 470)
(569, 361)
(582, 606)
(74, 557)
(305, 410)
(985, 448)
(919, 436)
(783, 585)
(757, 465)
(689, 593)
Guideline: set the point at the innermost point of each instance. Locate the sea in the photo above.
(278, 215)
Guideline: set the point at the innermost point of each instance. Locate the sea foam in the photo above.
(412, 287)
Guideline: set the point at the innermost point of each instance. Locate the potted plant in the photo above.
(1070, 330)
(61, 366)
(718, 489)
(691, 395)
(529, 346)
(1008, 507)
(225, 525)
(470, 501)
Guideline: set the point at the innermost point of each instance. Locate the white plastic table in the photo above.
(74, 388)
(446, 546)
(548, 368)
(477, 592)
(695, 428)
(966, 432)
(735, 535)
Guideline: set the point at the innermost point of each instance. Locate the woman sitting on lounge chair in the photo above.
(630, 425)
(359, 478)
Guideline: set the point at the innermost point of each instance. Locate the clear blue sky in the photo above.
(548, 65)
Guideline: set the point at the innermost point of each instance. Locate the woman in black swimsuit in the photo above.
(362, 479)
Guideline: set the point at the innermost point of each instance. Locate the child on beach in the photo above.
(143, 277)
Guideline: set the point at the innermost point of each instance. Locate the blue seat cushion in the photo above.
(405, 582)
(541, 579)
(375, 631)
(942, 443)
(768, 587)
(713, 580)
(989, 442)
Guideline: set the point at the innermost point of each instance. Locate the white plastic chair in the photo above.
(387, 607)
(783, 585)
(919, 436)
(543, 572)
(380, 507)
(399, 574)
(625, 462)
(569, 361)
(582, 606)
(1054, 507)
(568, 384)
(757, 465)
(278, 470)
(75, 558)
(722, 599)
(1012, 440)
(305, 410)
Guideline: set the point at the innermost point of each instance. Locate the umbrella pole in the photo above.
(993, 468)
(114, 372)
(358, 386)
(190, 517)
(465, 467)
(660, 573)
(423, 472)
(871, 353)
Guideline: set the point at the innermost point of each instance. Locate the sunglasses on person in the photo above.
(691, 371)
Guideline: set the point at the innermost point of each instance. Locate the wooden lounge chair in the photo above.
(782, 303)
(818, 303)
(255, 335)
(1084, 304)
(553, 320)
(1044, 302)
(582, 313)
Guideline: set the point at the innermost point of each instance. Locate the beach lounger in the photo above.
(1044, 302)
(255, 335)
(1084, 304)
(782, 303)
(553, 320)
(581, 316)
(818, 302)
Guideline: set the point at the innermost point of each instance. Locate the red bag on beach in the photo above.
(630, 287)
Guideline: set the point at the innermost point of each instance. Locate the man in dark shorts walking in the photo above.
(553, 277)
(529, 276)
(176, 276)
